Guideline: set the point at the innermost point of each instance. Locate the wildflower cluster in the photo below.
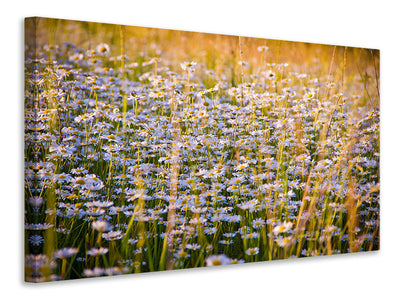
(146, 164)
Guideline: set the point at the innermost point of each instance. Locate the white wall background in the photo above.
(370, 24)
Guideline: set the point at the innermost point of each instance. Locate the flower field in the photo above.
(150, 150)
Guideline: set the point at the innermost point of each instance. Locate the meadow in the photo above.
(151, 149)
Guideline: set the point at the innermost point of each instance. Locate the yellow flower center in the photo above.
(182, 254)
(217, 262)
(80, 181)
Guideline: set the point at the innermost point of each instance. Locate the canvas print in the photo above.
(150, 149)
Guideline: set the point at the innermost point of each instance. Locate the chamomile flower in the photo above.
(181, 254)
(241, 167)
(113, 235)
(282, 228)
(257, 177)
(210, 231)
(193, 246)
(218, 260)
(97, 251)
(188, 66)
(102, 226)
(270, 75)
(262, 48)
(225, 242)
(258, 223)
(284, 241)
(103, 49)
(252, 251)
(65, 252)
(252, 235)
